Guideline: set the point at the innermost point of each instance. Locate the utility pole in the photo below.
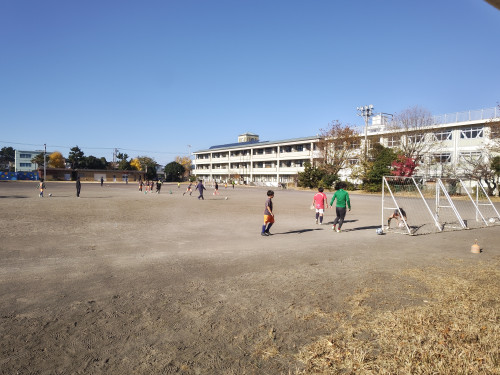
(44, 162)
(115, 152)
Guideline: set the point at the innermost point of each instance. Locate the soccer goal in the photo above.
(413, 206)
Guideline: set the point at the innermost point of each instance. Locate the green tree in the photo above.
(38, 159)
(148, 165)
(314, 177)
(7, 156)
(76, 157)
(379, 166)
(92, 162)
(174, 171)
(123, 163)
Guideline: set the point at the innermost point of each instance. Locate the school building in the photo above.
(23, 162)
(251, 161)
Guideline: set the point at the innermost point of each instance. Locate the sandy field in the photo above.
(122, 282)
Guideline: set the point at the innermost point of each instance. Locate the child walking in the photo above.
(268, 214)
(342, 197)
(41, 187)
(319, 202)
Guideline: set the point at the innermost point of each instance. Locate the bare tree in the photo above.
(477, 166)
(412, 126)
(338, 143)
(494, 134)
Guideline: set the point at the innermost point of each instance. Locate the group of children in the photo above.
(320, 203)
(149, 186)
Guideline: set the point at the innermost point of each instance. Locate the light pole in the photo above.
(366, 112)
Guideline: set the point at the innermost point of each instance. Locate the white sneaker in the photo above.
(338, 230)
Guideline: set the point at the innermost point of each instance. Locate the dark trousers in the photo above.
(341, 211)
(77, 191)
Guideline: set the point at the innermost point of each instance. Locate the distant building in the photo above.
(108, 175)
(251, 161)
(23, 160)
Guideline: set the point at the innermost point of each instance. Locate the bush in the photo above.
(314, 177)
(372, 187)
(327, 181)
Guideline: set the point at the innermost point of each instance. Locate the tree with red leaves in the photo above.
(403, 166)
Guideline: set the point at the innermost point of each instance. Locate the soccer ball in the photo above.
(380, 231)
(50, 194)
(492, 220)
(225, 198)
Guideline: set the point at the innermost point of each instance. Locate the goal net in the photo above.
(413, 206)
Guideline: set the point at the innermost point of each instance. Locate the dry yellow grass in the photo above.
(454, 330)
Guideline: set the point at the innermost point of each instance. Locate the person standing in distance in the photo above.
(320, 201)
(342, 197)
(200, 188)
(78, 187)
(268, 214)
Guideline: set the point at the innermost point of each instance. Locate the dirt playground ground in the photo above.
(122, 282)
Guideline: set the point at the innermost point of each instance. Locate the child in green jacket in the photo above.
(342, 197)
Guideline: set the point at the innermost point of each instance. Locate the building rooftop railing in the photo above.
(473, 115)
(380, 123)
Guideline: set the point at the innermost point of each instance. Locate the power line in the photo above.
(94, 148)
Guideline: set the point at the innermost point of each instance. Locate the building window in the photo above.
(25, 156)
(286, 149)
(471, 156)
(259, 151)
(444, 157)
(299, 163)
(443, 135)
(471, 133)
(393, 141)
(354, 145)
(27, 165)
(416, 138)
(299, 148)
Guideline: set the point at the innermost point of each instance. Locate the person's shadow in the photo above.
(360, 228)
(345, 221)
(299, 231)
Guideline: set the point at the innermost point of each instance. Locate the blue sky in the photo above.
(152, 77)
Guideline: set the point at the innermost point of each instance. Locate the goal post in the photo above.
(434, 206)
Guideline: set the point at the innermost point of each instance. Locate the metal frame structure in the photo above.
(442, 201)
